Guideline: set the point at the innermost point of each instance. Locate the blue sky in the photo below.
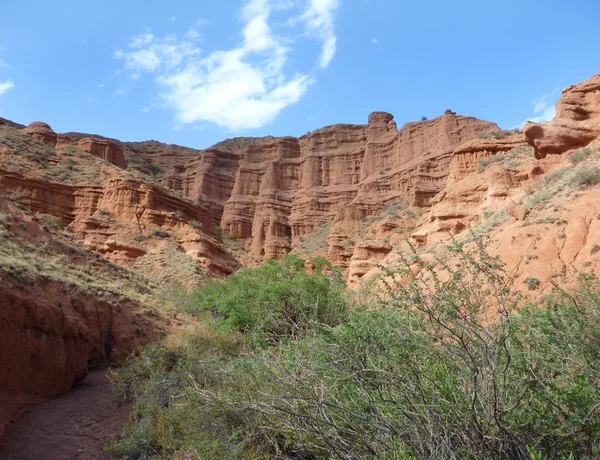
(196, 72)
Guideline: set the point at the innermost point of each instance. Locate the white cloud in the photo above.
(120, 92)
(544, 108)
(6, 87)
(4, 64)
(150, 54)
(171, 19)
(320, 22)
(374, 40)
(246, 86)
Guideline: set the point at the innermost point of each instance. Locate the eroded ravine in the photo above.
(75, 425)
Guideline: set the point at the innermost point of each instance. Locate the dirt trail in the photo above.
(73, 426)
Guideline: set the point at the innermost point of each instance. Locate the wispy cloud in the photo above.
(320, 22)
(120, 92)
(150, 54)
(171, 19)
(3, 64)
(246, 86)
(544, 108)
(375, 41)
(6, 87)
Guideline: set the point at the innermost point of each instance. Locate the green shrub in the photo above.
(587, 177)
(320, 263)
(279, 299)
(195, 224)
(51, 221)
(532, 283)
(156, 170)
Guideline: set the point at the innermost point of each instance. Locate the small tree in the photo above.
(279, 299)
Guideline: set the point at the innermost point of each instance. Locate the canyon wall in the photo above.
(285, 189)
(271, 192)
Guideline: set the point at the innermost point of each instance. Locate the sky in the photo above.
(196, 72)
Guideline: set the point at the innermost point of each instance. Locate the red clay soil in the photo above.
(73, 426)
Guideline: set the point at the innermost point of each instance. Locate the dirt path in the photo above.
(73, 426)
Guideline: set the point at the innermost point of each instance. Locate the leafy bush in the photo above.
(51, 221)
(320, 264)
(279, 299)
(156, 170)
(446, 368)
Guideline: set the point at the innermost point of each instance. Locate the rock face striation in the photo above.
(284, 189)
(270, 192)
(105, 149)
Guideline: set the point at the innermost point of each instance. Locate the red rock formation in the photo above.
(367, 255)
(576, 124)
(466, 157)
(135, 209)
(469, 193)
(43, 132)
(288, 188)
(410, 163)
(105, 149)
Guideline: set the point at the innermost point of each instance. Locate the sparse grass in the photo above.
(169, 266)
(232, 242)
(314, 242)
(485, 162)
(498, 134)
(582, 173)
(158, 233)
(546, 220)
(580, 155)
(547, 188)
(6, 220)
(587, 177)
(486, 224)
(67, 263)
